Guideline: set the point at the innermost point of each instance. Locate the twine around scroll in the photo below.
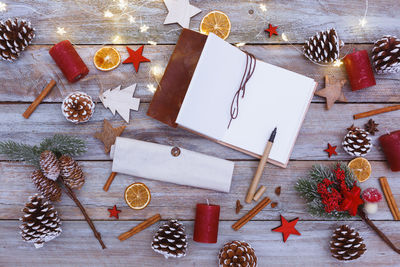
(248, 72)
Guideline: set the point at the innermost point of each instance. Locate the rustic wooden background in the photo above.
(86, 27)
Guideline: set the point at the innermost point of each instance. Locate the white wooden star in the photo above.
(180, 11)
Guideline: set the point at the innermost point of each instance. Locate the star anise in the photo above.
(371, 126)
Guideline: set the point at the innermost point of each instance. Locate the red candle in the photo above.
(206, 223)
(69, 61)
(359, 70)
(391, 147)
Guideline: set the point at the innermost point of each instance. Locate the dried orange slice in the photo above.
(216, 22)
(106, 59)
(137, 196)
(361, 168)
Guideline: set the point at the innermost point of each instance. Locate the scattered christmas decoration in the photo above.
(48, 188)
(361, 168)
(359, 70)
(347, 244)
(106, 59)
(386, 55)
(351, 200)
(389, 198)
(250, 215)
(216, 22)
(140, 227)
(357, 142)
(109, 134)
(28, 112)
(239, 206)
(324, 47)
(121, 101)
(49, 165)
(278, 191)
(114, 212)
(287, 228)
(331, 150)
(135, 57)
(109, 181)
(71, 172)
(332, 91)
(15, 36)
(371, 126)
(137, 196)
(40, 222)
(237, 254)
(180, 11)
(206, 223)
(78, 107)
(274, 204)
(170, 240)
(376, 112)
(371, 197)
(271, 30)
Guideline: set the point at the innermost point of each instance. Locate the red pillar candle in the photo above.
(206, 223)
(391, 147)
(359, 70)
(69, 61)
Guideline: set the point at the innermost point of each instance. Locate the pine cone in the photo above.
(15, 36)
(357, 142)
(170, 240)
(40, 223)
(49, 165)
(237, 254)
(346, 244)
(323, 47)
(386, 55)
(71, 172)
(78, 107)
(48, 188)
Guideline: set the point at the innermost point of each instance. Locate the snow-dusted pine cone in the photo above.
(15, 36)
(347, 244)
(323, 47)
(48, 188)
(40, 222)
(49, 165)
(237, 254)
(386, 55)
(71, 172)
(357, 142)
(78, 107)
(170, 240)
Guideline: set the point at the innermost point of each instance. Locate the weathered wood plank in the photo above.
(17, 187)
(85, 23)
(24, 79)
(77, 247)
(319, 128)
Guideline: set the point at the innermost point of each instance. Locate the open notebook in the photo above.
(274, 97)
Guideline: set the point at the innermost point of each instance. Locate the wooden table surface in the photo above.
(86, 27)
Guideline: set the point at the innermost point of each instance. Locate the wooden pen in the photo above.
(260, 168)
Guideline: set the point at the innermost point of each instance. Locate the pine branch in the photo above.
(63, 145)
(20, 152)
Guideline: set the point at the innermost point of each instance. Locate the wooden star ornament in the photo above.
(287, 228)
(180, 11)
(109, 134)
(114, 212)
(272, 30)
(332, 91)
(135, 57)
(331, 150)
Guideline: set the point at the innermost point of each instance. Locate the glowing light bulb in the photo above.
(337, 63)
(263, 7)
(284, 37)
(117, 39)
(151, 88)
(363, 22)
(3, 6)
(240, 44)
(108, 14)
(61, 31)
(131, 19)
(122, 4)
(144, 28)
(152, 43)
(157, 71)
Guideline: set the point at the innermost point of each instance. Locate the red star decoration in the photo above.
(352, 200)
(272, 30)
(114, 212)
(287, 228)
(331, 150)
(136, 57)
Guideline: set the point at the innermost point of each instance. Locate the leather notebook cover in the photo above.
(171, 91)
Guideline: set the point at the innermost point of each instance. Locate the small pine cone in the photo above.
(386, 55)
(48, 188)
(71, 172)
(170, 240)
(347, 244)
(237, 254)
(357, 142)
(15, 36)
(324, 47)
(49, 165)
(40, 222)
(78, 107)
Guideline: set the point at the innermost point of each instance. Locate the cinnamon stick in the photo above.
(140, 227)
(376, 111)
(389, 198)
(39, 99)
(109, 181)
(250, 215)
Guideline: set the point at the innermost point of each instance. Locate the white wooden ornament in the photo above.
(180, 11)
(121, 101)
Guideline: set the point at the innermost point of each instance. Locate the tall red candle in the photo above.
(69, 61)
(206, 223)
(391, 147)
(359, 70)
